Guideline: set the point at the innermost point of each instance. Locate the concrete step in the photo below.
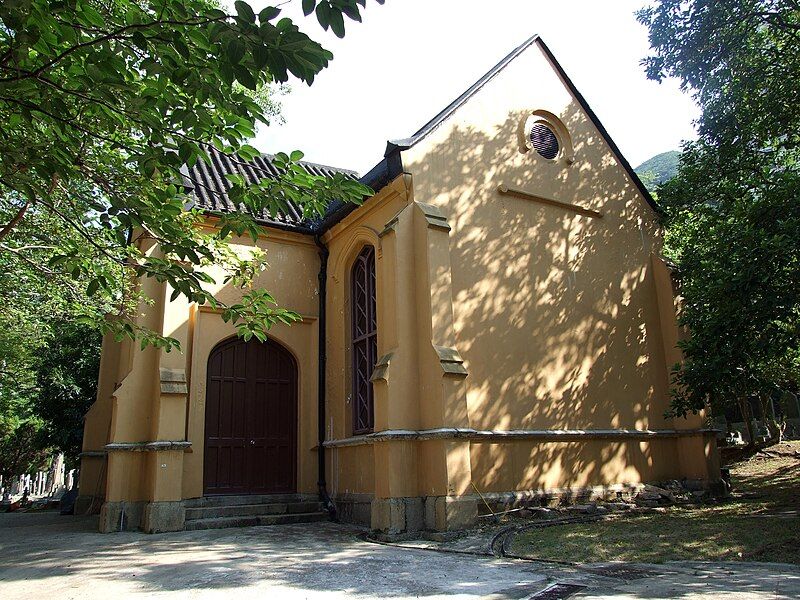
(246, 499)
(250, 521)
(249, 510)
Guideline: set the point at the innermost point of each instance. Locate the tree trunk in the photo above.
(744, 408)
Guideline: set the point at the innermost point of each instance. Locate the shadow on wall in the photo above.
(555, 312)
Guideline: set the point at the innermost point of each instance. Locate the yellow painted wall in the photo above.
(534, 465)
(97, 422)
(292, 279)
(556, 313)
(353, 469)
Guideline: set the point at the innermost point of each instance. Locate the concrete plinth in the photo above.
(354, 508)
(164, 516)
(121, 516)
(397, 518)
(150, 517)
(450, 513)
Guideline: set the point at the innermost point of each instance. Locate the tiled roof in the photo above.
(209, 186)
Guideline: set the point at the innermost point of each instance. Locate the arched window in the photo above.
(365, 338)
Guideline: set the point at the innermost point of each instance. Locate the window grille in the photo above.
(364, 339)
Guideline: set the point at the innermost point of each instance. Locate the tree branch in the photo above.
(15, 220)
(104, 38)
(81, 231)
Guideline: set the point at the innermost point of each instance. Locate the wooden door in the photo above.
(251, 419)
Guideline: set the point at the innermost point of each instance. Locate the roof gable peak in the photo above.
(422, 132)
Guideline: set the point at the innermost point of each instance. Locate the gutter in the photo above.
(322, 484)
(379, 177)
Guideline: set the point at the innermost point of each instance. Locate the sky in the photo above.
(408, 59)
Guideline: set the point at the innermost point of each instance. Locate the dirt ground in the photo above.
(760, 522)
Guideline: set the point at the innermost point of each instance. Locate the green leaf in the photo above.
(352, 12)
(296, 155)
(245, 77)
(92, 16)
(308, 6)
(324, 15)
(244, 11)
(235, 178)
(139, 40)
(235, 50)
(261, 55)
(182, 49)
(337, 23)
(269, 13)
(248, 152)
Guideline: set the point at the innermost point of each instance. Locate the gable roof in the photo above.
(210, 185)
(406, 143)
(603, 132)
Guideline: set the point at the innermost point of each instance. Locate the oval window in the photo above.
(544, 141)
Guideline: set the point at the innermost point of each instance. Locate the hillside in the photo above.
(658, 169)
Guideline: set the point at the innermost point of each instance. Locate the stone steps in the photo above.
(217, 512)
(246, 499)
(253, 520)
(249, 510)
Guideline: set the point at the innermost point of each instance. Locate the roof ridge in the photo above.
(309, 163)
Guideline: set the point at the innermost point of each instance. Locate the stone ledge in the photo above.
(435, 218)
(173, 381)
(495, 435)
(93, 454)
(381, 370)
(161, 446)
(451, 361)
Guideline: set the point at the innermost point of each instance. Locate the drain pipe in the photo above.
(323, 290)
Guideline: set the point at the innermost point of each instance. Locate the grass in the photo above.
(747, 527)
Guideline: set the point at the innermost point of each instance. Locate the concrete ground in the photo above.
(46, 555)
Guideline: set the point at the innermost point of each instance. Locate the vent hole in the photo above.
(544, 141)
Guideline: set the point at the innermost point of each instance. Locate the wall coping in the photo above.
(160, 446)
(498, 435)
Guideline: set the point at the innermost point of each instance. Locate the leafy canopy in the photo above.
(102, 103)
(733, 216)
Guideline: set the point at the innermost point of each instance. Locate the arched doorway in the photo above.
(251, 419)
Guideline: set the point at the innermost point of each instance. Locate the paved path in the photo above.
(54, 557)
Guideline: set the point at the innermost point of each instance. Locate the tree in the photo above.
(66, 378)
(732, 212)
(33, 300)
(102, 103)
(738, 253)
